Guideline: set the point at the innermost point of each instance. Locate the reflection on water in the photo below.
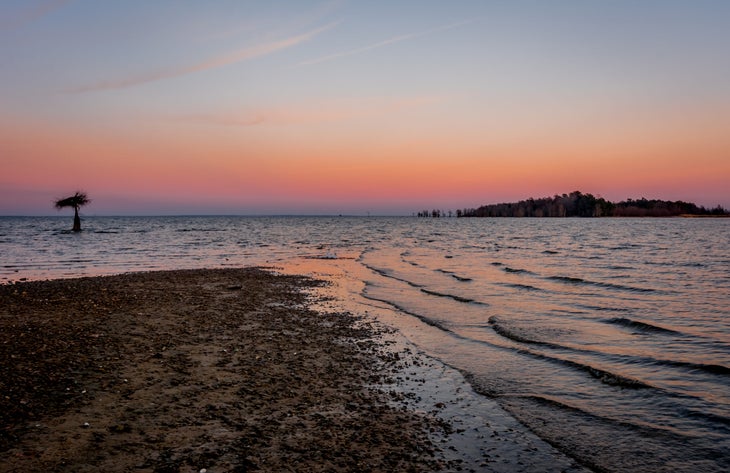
(608, 337)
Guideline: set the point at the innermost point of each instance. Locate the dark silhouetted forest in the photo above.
(577, 204)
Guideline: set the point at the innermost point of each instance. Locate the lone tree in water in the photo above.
(75, 201)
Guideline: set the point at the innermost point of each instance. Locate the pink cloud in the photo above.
(380, 44)
(212, 63)
(21, 18)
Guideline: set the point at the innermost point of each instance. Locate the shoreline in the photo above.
(484, 436)
(234, 370)
(223, 370)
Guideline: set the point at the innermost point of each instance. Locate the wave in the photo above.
(525, 287)
(581, 281)
(507, 269)
(604, 376)
(641, 326)
(466, 300)
(504, 331)
(708, 368)
(426, 320)
(648, 360)
(454, 275)
(76, 260)
(709, 416)
(692, 264)
(555, 404)
(603, 309)
(644, 430)
(539, 411)
(625, 246)
(600, 374)
(567, 279)
(461, 278)
(386, 274)
(451, 296)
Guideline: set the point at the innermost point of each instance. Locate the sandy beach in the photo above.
(232, 370)
(221, 370)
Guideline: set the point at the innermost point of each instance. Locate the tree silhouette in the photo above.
(75, 201)
(577, 204)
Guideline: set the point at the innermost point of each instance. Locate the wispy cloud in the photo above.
(380, 44)
(27, 15)
(309, 114)
(212, 63)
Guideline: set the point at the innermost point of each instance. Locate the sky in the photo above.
(356, 107)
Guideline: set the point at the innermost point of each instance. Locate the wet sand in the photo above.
(231, 370)
(222, 370)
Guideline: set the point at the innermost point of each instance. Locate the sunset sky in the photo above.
(334, 107)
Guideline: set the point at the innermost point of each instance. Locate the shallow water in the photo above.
(609, 338)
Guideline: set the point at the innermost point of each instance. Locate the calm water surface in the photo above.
(609, 338)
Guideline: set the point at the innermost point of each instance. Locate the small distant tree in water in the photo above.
(75, 201)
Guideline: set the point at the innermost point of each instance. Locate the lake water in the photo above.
(609, 338)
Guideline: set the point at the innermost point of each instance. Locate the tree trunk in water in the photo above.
(77, 220)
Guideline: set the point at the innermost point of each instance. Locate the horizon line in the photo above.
(254, 215)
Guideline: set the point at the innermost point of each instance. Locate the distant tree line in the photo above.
(435, 213)
(577, 204)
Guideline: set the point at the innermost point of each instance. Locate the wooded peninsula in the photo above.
(577, 204)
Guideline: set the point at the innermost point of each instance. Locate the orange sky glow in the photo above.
(330, 109)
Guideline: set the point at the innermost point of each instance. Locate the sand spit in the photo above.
(223, 370)
(229, 371)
